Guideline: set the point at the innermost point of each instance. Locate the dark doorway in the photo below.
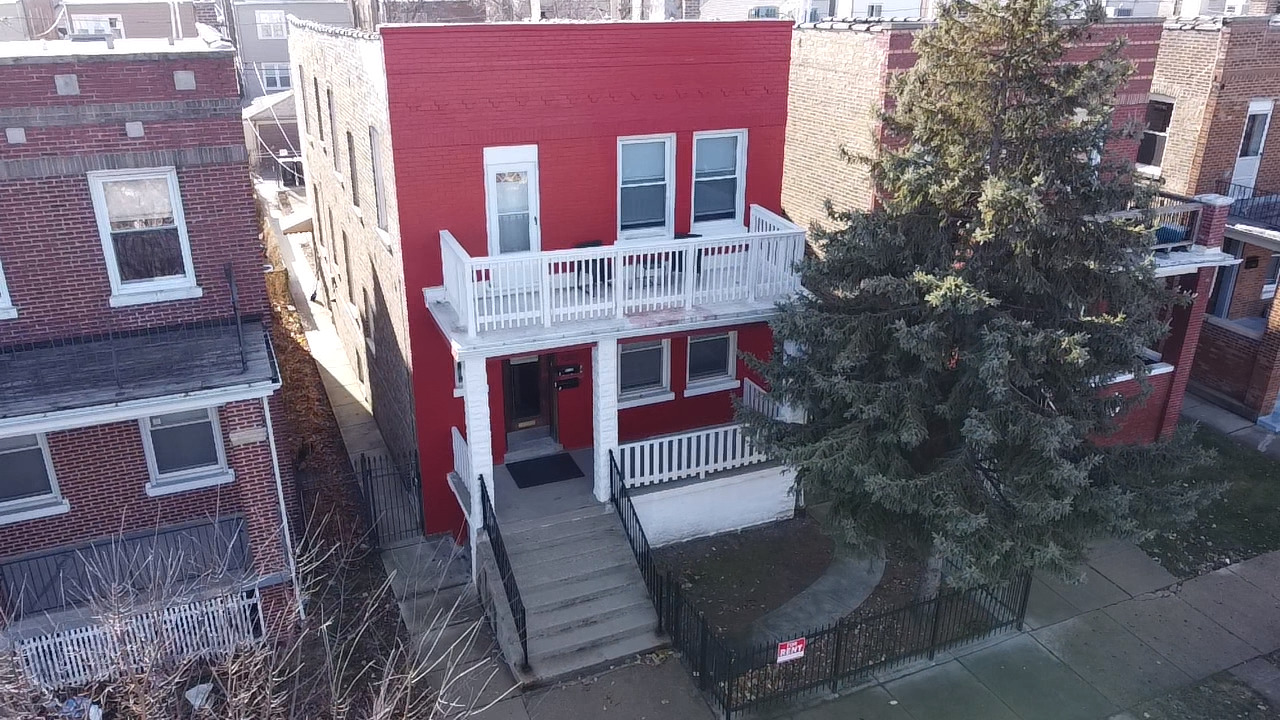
(525, 381)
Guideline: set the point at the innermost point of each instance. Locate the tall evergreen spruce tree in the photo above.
(950, 355)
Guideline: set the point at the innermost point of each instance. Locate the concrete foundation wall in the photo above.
(715, 506)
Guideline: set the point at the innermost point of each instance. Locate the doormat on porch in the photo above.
(543, 470)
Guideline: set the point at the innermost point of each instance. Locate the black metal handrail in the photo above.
(514, 600)
(1260, 206)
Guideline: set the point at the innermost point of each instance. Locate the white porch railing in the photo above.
(758, 399)
(94, 652)
(686, 455)
(462, 458)
(568, 286)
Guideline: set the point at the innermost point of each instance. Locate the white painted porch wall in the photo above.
(715, 506)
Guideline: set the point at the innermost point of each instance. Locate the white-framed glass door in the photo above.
(511, 193)
(1252, 144)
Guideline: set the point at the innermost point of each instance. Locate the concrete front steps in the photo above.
(584, 597)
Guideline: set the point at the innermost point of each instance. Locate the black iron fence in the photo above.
(740, 677)
(1260, 206)
(514, 600)
(386, 492)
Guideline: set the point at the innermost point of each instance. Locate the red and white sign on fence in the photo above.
(791, 650)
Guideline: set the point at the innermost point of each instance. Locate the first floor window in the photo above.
(28, 470)
(711, 358)
(1151, 149)
(144, 235)
(718, 171)
(275, 76)
(6, 302)
(184, 444)
(1273, 276)
(643, 368)
(644, 194)
(271, 24)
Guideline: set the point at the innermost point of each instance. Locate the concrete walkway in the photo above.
(846, 584)
(1093, 650)
(1242, 430)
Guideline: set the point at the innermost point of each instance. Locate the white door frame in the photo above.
(1245, 171)
(511, 158)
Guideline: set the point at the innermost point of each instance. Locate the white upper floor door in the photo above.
(511, 199)
(1252, 145)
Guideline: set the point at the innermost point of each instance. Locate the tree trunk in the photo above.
(930, 575)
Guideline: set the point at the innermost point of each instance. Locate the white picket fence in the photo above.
(568, 286)
(94, 652)
(686, 455)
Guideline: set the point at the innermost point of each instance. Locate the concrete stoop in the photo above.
(585, 601)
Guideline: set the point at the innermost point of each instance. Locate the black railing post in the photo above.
(838, 651)
(933, 630)
(370, 500)
(703, 631)
(1024, 601)
(512, 590)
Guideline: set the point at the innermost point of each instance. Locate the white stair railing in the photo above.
(686, 455)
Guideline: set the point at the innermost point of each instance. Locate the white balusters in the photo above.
(686, 455)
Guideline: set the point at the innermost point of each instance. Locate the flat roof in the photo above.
(36, 50)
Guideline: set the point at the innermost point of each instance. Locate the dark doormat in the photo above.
(543, 470)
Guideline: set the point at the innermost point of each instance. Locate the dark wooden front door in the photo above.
(527, 404)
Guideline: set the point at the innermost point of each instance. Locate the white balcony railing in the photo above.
(461, 458)
(569, 286)
(94, 652)
(686, 455)
(758, 399)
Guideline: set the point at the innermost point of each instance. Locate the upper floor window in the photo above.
(351, 170)
(333, 126)
(275, 76)
(763, 12)
(646, 200)
(302, 102)
(315, 83)
(379, 189)
(6, 301)
(1151, 149)
(112, 25)
(271, 24)
(184, 451)
(30, 489)
(144, 235)
(719, 173)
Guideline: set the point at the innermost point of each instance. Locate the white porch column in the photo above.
(475, 389)
(604, 401)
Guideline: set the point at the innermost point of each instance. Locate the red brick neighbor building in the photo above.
(137, 380)
(552, 278)
(1210, 129)
(840, 77)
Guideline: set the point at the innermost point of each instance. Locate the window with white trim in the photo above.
(271, 24)
(112, 25)
(1151, 148)
(719, 179)
(275, 76)
(333, 127)
(6, 301)
(712, 360)
(763, 12)
(875, 11)
(144, 235)
(1268, 287)
(28, 473)
(646, 198)
(644, 369)
(379, 190)
(184, 447)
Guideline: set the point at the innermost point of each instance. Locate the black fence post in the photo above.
(417, 489)
(1026, 598)
(729, 681)
(933, 630)
(703, 631)
(366, 487)
(839, 650)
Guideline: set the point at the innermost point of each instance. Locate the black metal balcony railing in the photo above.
(155, 561)
(1261, 207)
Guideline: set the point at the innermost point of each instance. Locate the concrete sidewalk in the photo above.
(1242, 430)
(1129, 633)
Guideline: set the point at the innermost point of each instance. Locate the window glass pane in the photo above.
(715, 199)
(1158, 115)
(137, 204)
(511, 191)
(644, 206)
(708, 358)
(1151, 149)
(717, 156)
(25, 473)
(148, 254)
(1254, 131)
(641, 368)
(1273, 268)
(644, 162)
(513, 233)
(183, 441)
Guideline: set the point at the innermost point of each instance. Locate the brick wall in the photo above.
(1224, 361)
(376, 267)
(43, 206)
(1144, 421)
(102, 472)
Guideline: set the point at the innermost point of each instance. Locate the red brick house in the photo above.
(1210, 129)
(137, 381)
(840, 78)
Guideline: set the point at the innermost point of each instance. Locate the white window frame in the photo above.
(1268, 289)
(458, 376)
(7, 310)
(719, 383)
(738, 223)
(158, 290)
(650, 395)
(517, 158)
(274, 71)
(1155, 170)
(668, 231)
(873, 12)
(271, 28)
(104, 18)
(379, 189)
(184, 480)
(13, 511)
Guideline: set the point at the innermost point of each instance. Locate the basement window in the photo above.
(1151, 148)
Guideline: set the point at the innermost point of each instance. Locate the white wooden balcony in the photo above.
(576, 289)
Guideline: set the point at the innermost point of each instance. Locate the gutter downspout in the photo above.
(284, 512)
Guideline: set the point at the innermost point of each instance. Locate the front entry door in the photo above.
(1252, 145)
(525, 388)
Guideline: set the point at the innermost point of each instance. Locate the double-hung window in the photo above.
(28, 488)
(379, 190)
(1151, 149)
(275, 76)
(184, 451)
(713, 363)
(646, 198)
(144, 235)
(271, 24)
(644, 373)
(7, 310)
(719, 172)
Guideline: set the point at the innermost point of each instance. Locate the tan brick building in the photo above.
(1210, 129)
